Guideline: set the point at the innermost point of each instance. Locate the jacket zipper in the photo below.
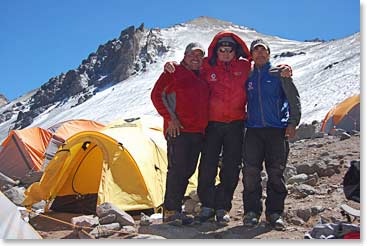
(259, 94)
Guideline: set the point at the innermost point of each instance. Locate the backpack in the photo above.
(351, 182)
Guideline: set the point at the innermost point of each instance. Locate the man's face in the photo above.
(260, 55)
(194, 59)
(225, 53)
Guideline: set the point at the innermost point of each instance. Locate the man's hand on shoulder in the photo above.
(170, 66)
(285, 70)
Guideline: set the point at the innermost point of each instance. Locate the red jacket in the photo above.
(227, 100)
(182, 95)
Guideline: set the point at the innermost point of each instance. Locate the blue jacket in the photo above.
(268, 104)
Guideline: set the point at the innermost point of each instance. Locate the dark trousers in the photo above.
(183, 154)
(269, 145)
(226, 138)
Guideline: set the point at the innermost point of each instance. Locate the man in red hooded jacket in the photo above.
(227, 68)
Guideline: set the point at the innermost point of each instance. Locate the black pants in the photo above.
(269, 145)
(226, 138)
(183, 154)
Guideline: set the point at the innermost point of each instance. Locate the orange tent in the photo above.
(32, 148)
(68, 128)
(23, 150)
(346, 115)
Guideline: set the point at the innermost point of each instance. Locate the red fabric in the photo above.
(228, 98)
(191, 95)
(352, 235)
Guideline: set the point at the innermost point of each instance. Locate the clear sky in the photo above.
(42, 38)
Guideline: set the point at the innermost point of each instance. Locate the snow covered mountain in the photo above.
(325, 74)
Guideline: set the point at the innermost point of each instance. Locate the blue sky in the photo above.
(42, 38)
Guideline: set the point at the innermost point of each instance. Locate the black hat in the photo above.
(258, 42)
(227, 41)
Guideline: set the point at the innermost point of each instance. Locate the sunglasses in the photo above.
(225, 49)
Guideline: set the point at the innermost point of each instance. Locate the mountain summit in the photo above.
(116, 79)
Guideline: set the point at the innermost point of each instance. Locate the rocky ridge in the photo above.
(113, 62)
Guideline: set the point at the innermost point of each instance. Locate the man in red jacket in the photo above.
(181, 98)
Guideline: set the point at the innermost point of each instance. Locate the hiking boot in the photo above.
(206, 214)
(222, 217)
(251, 219)
(173, 217)
(276, 221)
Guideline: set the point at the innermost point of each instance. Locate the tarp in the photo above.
(345, 115)
(125, 164)
(12, 226)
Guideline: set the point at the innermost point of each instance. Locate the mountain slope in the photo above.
(324, 72)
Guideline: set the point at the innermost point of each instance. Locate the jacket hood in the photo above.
(242, 49)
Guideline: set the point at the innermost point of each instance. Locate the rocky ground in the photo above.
(314, 177)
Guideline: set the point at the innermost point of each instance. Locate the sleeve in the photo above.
(294, 100)
(159, 96)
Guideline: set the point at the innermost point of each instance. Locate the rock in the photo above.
(305, 131)
(299, 179)
(156, 218)
(15, 194)
(190, 206)
(170, 231)
(108, 219)
(121, 216)
(303, 190)
(304, 214)
(85, 220)
(39, 205)
(147, 236)
(194, 196)
(312, 179)
(128, 229)
(105, 230)
(82, 234)
(296, 221)
(144, 220)
(324, 154)
(315, 210)
(307, 168)
(289, 172)
(319, 135)
(3, 100)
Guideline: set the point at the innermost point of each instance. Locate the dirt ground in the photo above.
(329, 195)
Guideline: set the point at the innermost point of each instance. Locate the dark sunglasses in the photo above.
(225, 49)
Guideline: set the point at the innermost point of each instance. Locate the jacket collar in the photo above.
(266, 67)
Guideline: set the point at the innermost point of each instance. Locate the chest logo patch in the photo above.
(250, 86)
(213, 77)
(237, 73)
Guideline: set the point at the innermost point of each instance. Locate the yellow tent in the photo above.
(124, 163)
